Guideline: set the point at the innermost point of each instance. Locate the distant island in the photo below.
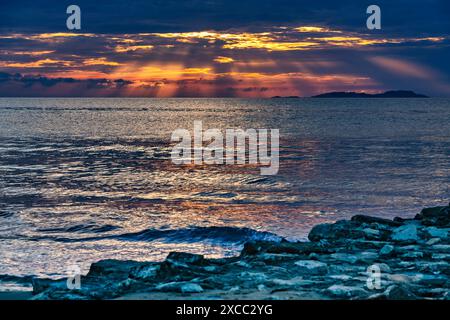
(351, 94)
(387, 94)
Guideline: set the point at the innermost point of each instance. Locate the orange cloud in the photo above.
(122, 48)
(35, 64)
(221, 59)
(26, 53)
(100, 62)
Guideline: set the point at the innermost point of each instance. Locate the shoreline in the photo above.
(361, 258)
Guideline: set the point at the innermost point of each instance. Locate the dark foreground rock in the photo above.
(364, 258)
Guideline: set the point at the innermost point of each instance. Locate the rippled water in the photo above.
(88, 179)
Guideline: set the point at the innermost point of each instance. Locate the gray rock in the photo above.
(433, 241)
(277, 257)
(437, 232)
(371, 233)
(384, 267)
(340, 291)
(312, 267)
(444, 248)
(183, 287)
(361, 257)
(296, 281)
(341, 277)
(387, 250)
(437, 216)
(405, 233)
(339, 230)
(254, 276)
(439, 267)
(145, 272)
(369, 220)
(186, 258)
(415, 255)
(430, 280)
(191, 288)
(399, 292)
(345, 257)
(441, 256)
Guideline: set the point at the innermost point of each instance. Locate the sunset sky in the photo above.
(222, 48)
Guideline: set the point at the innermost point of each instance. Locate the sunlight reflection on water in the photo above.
(78, 174)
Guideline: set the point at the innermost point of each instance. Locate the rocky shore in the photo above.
(409, 257)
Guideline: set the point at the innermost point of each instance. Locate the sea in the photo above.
(86, 179)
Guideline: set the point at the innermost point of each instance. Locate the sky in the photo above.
(222, 48)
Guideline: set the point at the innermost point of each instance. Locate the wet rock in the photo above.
(181, 266)
(145, 272)
(186, 258)
(191, 288)
(243, 264)
(399, 292)
(274, 258)
(437, 232)
(342, 229)
(345, 292)
(112, 267)
(436, 216)
(41, 285)
(369, 220)
(412, 255)
(341, 277)
(254, 276)
(405, 233)
(352, 258)
(430, 280)
(433, 241)
(311, 267)
(444, 248)
(345, 257)
(371, 233)
(441, 256)
(183, 287)
(440, 267)
(296, 281)
(305, 248)
(387, 250)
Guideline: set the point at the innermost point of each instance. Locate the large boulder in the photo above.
(436, 216)
(341, 230)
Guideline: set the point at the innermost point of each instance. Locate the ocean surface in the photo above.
(88, 179)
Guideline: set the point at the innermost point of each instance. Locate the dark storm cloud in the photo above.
(242, 48)
(105, 16)
(13, 85)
